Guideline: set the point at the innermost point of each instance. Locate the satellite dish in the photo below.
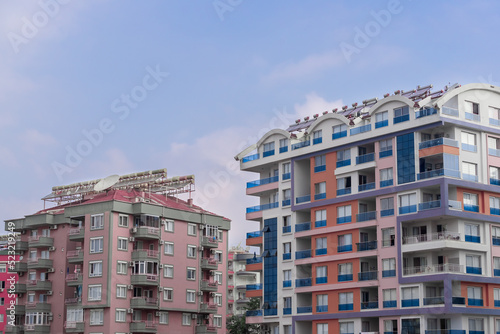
(106, 183)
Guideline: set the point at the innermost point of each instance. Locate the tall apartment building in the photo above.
(382, 217)
(122, 255)
(7, 280)
(241, 274)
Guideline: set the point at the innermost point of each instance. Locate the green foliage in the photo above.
(236, 324)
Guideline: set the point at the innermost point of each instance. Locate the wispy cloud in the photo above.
(315, 104)
(33, 140)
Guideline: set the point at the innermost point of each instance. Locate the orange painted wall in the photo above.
(484, 293)
(254, 241)
(327, 176)
(332, 240)
(254, 293)
(333, 300)
(333, 270)
(438, 150)
(480, 197)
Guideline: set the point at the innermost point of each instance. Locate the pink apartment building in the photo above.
(122, 255)
(7, 279)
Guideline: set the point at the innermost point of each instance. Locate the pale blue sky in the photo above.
(233, 66)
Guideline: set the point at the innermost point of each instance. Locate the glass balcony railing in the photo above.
(494, 121)
(320, 223)
(250, 158)
(252, 287)
(286, 202)
(343, 163)
(303, 254)
(345, 278)
(302, 227)
(434, 300)
(474, 302)
(366, 246)
(407, 209)
(495, 241)
(389, 273)
(270, 312)
(344, 248)
(287, 310)
(425, 112)
(338, 135)
(361, 129)
(381, 124)
(321, 251)
(322, 308)
(343, 220)
(450, 111)
(319, 196)
(493, 151)
(469, 147)
(386, 183)
(254, 234)
(262, 207)
(287, 229)
(438, 172)
(366, 186)
(367, 276)
(286, 176)
(429, 205)
(283, 149)
(385, 154)
(301, 282)
(473, 238)
(438, 142)
(472, 117)
(287, 284)
(471, 207)
(458, 300)
(469, 177)
(267, 153)
(495, 182)
(474, 270)
(317, 140)
(390, 303)
(254, 260)
(254, 313)
(346, 307)
(301, 144)
(387, 213)
(320, 168)
(369, 305)
(304, 309)
(321, 280)
(343, 191)
(402, 118)
(366, 216)
(365, 158)
(455, 205)
(261, 182)
(410, 302)
(303, 199)
(287, 256)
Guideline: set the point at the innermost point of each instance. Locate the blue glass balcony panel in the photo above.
(494, 121)
(320, 223)
(345, 248)
(303, 199)
(366, 216)
(301, 282)
(250, 158)
(302, 227)
(287, 310)
(369, 305)
(365, 158)
(429, 205)
(493, 151)
(386, 183)
(271, 311)
(343, 163)
(474, 302)
(254, 234)
(381, 124)
(473, 238)
(319, 196)
(407, 209)
(286, 202)
(410, 303)
(287, 284)
(425, 112)
(390, 303)
(304, 309)
(287, 256)
(345, 278)
(254, 313)
(321, 251)
(287, 229)
(496, 272)
(261, 182)
(389, 273)
(321, 280)
(474, 270)
(252, 287)
(317, 140)
(450, 111)
(367, 246)
(458, 300)
(322, 308)
(318, 169)
(361, 129)
(303, 254)
(433, 300)
(286, 176)
(367, 186)
(343, 220)
(469, 147)
(343, 191)
(340, 134)
(346, 307)
(262, 207)
(254, 260)
(387, 212)
(438, 142)
(400, 119)
(495, 182)
(385, 154)
(472, 117)
(496, 241)
(469, 177)
(268, 153)
(301, 145)
(283, 149)
(367, 276)
(495, 211)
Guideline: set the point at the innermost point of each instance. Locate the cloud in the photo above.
(33, 140)
(309, 66)
(115, 162)
(7, 158)
(315, 104)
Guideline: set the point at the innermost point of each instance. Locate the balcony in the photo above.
(76, 234)
(385, 154)
(143, 303)
(304, 309)
(146, 232)
(211, 263)
(19, 288)
(407, 209)
(210, 308)
(410, 303)
(303, 254)
(425, 112)
(429, 205)
(366, 186)
(361, 129)
(205, 329)
(367, 276)
(434, 300)
(344, 248)
(144, 255)
(38, 285)
(381, 124)
(207, 285)
(21, 246)
(450, 111)
(250, 158)
(369, 305)
(40, 242)
(303, 199)
(343, 191)
(263, 207)
(386, 183)
(74, 279)
(73, 301)
(20, 267)
(74, 327)
(301, 144)
(302, 227)
(472, 117)
(143, 326)
(255, 234)
(254, 313)
(40, 263)
(14, 329)
(251, 287)
(209, 242)
(75, 256)
(38, 307)
(302, 282)
(438, 172)
(438, 142)
(366, 246)
(343, 163)
(365, 158)
(37, 329)
(262, 182)
(413, 239)
(144, 279)
(434, 269)
(19, 310)
(366, 216)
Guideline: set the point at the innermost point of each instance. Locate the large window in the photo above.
(283, 145)
(472, 233)
(122, 244)
(387, 207)
(191, 273)
(473, 264)
(96, 317)
(388, 237)
(163, 319)
(190, 296)
(320, 191)
(96, 245)
(386, 178)
(343, 156)
(471, 111)
(168, 271)
(471, 202)
(120, 315)
(268, 149)
(186, 319)
(390, 297)
(469, 141)
(94, 292)
(191, 229)
(345, 272)
(344, 214)
(121, 267)
(321, 274)
(494, 205)
(346, 301)
(168, 294)
(322, 303)
(407, 203)
(319, 163)
(339, 131)
(121, 291)
(217, 321)
(322, 328)
(97, 222)
(346, 327)
(95, 268)
(74, 315)
(123, 220)
(401, 114)
(410, 297)
(469, 171)
(381, 119)
(169, 226)
(345, 243)
(191, 251)
(168, 248)
(317, 137)
(389, 267)
(321, 246)
(476, 325)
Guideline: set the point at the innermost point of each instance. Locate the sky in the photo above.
(100, 87)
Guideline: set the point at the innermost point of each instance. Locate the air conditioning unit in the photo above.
(212, 294)
(213, 251)
(160, 288)
(157, 313)
(53, 227)
(130, 310)
(49, 293)
(194, 316)
(200, 293)
(162, 242)
(201, 248)
(131, 239)
(50, 270)
(130, 287)
(52, 249)
(201, 226)
(160, 266)
(212, 273)
(131, 264)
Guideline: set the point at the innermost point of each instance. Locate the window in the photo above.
(121, 268)
(401, 114)
(94, 292)
(381, 119)
(390, 298)
(496, 297)
(95, 269)
(287, 277)
(319, 163)
(385, 146)
(191, 229)
(96, 317)
(191, 251)
(389, 267)
(322, 328)
(123, 221)
(345, 272)
(191, 273)
(496, 266)
(470, 202)
(345, 301)
(342, 157)
(321, 246)
(74, 315)
(168, 248)
(186, 319)
(218, 256)
(410, 297)
(218, 299)
(339, 131)
(286, 171)
(163, 319)
(121, 291)
(494, 205)
(169, 226)
(469, 142)
(475, 296)
(476, 325)
(407, 203)
(2, 301)
(391, 326)
(120, 315)
(96, 245)
(386, 177)
(346, 327)
(388, 237)
(320, 191)
(495, 232)
(283, 145)
(472, 233)
(471, 109)
(495, 175)
(345, 243)
(218, 277)
(122, 244)
(190, 296)
(168, 271)
(268, 149)
(287, 224)
(317, 137)
(387, 207)
(3, 267)
(344, 214)
(97, 222)
(494, 114)
(344, 186)
(168, 294)
(473, 264)
(321, 274)
(217, 321)
(322, 303)
(469, 171)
